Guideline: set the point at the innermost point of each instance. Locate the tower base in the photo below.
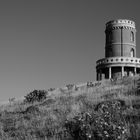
(117, 67)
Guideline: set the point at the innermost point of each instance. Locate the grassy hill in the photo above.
(108, 109)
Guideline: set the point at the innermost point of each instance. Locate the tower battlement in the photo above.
(120, 22)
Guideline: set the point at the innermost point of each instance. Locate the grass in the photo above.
(46, 120)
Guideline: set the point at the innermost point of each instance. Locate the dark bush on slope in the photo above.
(36, 95)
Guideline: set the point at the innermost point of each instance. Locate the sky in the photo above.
(51, 43)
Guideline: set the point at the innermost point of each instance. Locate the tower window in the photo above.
(132, 53)
(132, 36)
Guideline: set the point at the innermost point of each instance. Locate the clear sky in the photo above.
(51, 43)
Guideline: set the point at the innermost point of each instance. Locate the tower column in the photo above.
(135, 70)
(110, 72)
(100, 74)
(97, 76)
(122, 71)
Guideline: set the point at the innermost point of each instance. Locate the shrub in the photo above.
(51, 89)
(36, 95)
(32, 110)
(70, 86)
(12, 100)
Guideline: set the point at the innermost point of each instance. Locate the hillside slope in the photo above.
(47, 119)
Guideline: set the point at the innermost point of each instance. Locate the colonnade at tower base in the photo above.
(116, 72)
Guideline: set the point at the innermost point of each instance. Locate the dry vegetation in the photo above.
(107, 110)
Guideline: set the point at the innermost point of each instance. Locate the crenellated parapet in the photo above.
(119, 27)
(120, 24)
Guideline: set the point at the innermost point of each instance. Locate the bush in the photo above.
(36, 95)
(51, 89)
(70, 86)
(32, 110)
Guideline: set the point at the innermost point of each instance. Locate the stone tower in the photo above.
(120, 51)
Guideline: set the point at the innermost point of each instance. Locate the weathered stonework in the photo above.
(120, 51)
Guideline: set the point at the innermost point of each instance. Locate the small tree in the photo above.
(36, 95)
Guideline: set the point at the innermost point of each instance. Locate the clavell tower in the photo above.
(120, 51)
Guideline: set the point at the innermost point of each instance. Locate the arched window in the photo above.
(132, 53)
(132, 36)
